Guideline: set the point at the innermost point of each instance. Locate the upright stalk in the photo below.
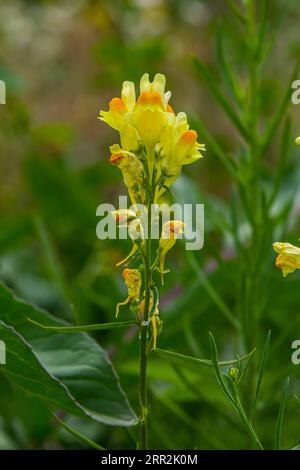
(144, 416)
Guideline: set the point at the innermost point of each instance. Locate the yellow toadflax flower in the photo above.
(178, 147)
(116, 117)
(140, 120)
(288, 259)
(133, 281)
(170, 232)
(151, 113)
(150, 123)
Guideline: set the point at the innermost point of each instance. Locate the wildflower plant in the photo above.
(231, 288)
(154, 145)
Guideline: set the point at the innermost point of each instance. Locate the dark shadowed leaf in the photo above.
(70, 371)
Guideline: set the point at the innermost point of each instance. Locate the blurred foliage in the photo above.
(61, 62)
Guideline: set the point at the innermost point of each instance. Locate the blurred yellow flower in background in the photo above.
(288, 259)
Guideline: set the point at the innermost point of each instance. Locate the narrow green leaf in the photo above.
(227, 72)
(261, 372)
(207, 75)
(85, 440)
(236, 11)
(83, 328)
(212, 292)
(212, 143)
(189, 360)
(281, 164)
(53, 265)
(233, 400)
(279, 424)
(248, 424)
(275, 122)
(219, 376)
(263, 27)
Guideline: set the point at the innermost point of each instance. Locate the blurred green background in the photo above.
(62, 62)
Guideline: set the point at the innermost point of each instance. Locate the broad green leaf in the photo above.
(85, 381)
(25, 370)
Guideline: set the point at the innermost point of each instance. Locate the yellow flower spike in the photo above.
(133, 282)
(131, 167)
(297, 141)
(170, 232)
(288, 259)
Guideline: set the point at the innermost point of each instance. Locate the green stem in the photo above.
(248, 424)
(144, 417)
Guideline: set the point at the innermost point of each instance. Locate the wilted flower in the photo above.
(133, 281)
(131, 167)
(288, 259)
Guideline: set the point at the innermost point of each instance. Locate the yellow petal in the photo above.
(128, 95)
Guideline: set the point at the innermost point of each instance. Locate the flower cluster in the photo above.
(155, 142)
(154, 145)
